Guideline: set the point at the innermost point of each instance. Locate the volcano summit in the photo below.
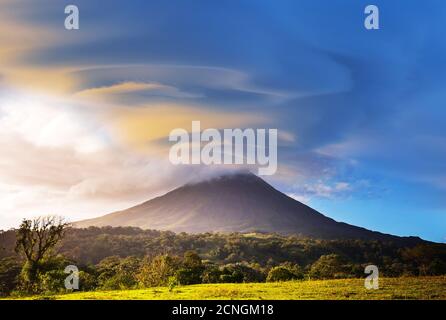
(234, 203)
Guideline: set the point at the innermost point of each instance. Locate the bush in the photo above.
(9, 273)
(191, 270)
(228, 278)
(52, 281)
(330, 266)
(240, 272)
(211, 274)
(281, 273)
(192, 260)
(437, 267)
(87, 281)
(250, 273)
(116, 273)
(294, 268)
(157, 271)
(50, 277)
(188, 276)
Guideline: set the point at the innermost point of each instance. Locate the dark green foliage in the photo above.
(280, 274)
(51, 276)
(87, 280)
(192, 260)
(331, 266)
(233, 273)
(191, 269)
(428, 259)
(121, 258)
(35, 240)
(116, 273)
(9, 275)
(186, 276)
(437, 267)
(51, 281)
(90, 246)
(157, 271)
(230, 278)
(241, 272)
(211, 274)
(284, 272)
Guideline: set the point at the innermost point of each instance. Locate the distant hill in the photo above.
(234, 203)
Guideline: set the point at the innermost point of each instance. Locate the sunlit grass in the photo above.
(390, 288)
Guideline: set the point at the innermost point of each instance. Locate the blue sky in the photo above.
(363, 110)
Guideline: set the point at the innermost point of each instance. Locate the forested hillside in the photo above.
(127, 257)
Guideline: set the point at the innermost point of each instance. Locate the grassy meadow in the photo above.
(390, 288)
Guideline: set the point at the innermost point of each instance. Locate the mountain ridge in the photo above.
(239, 202)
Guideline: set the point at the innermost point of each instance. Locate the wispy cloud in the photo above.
(108, 93)
(83, 113)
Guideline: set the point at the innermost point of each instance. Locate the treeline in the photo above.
(121, 258)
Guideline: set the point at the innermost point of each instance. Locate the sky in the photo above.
(85, 114)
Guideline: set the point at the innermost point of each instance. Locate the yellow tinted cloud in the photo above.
(108, 94)
(19, 40)
(50, 80)
(124, 87)
(137, 127)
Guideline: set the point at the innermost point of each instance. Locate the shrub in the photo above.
(188, 276)
(157, 271)
(294, 268)
(228, 278)
(192, 260)
(437, 267)
(52, 281)
(240, 272)
(9, 274)
(211, 274)
(116, 273)
(191, 270)
(50, 277)
(331, 266)
(280, 273)
(87, 281)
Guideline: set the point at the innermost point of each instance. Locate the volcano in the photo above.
(240, 202)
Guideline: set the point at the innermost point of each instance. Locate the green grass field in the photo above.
(390, 288)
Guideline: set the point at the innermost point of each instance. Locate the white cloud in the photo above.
(301, 198)
(58, 158)
(47, 122)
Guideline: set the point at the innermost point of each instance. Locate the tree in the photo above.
(157, 271)
(9, 272)
(424, 255)
(192, 269)
(35, 240)
(192, 260)
(280, 273)
(330, 266)
(211, 273)
(241, 272)
(116, 273)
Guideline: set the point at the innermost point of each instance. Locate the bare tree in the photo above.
(35, 240)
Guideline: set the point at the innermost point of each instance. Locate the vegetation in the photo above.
(390, 288)
(35, 240)
(131, 258)
(284, 273)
